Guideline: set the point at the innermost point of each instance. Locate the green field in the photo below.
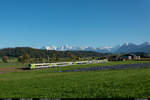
(94, 65)
(20, 65)
(134, 83)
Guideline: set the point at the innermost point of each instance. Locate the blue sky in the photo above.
(95, 23)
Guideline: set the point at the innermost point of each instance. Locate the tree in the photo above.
(5, 59)
(20, 59)
(24, 59)
(54, 58)
(40, 59)
(48, 58)
(93, 57)
(113, 58)
(73, 57)
(101, 58)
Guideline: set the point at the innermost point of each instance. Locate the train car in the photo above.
(47, 65)
(41, 65)
(61, 64)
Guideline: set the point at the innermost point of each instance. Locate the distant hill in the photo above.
(38, 53)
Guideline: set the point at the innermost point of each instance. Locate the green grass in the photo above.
(133, 83)
(94, 65)
(12, 64)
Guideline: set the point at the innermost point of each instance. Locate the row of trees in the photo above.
(26, 58)
(22, 59)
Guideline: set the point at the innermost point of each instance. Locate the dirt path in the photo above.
(11, 69)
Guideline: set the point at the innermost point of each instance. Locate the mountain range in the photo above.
(125, 48)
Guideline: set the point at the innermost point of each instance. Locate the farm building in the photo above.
(130, 57)
(124, 57)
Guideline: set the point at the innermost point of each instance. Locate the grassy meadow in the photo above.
(133, 83)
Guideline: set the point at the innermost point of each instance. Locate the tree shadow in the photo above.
(23, 68)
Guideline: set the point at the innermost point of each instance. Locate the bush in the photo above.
(5, 59)
(20, 59)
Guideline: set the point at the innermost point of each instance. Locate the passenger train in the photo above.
(61, 64)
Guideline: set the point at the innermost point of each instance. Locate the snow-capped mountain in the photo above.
(144, 47)
(114, 49)
(125, 48)
(104, 49)
(49, 48)
(70, 48)
(64, 48)
(79, 48)
(145, 44)
(130, 47)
